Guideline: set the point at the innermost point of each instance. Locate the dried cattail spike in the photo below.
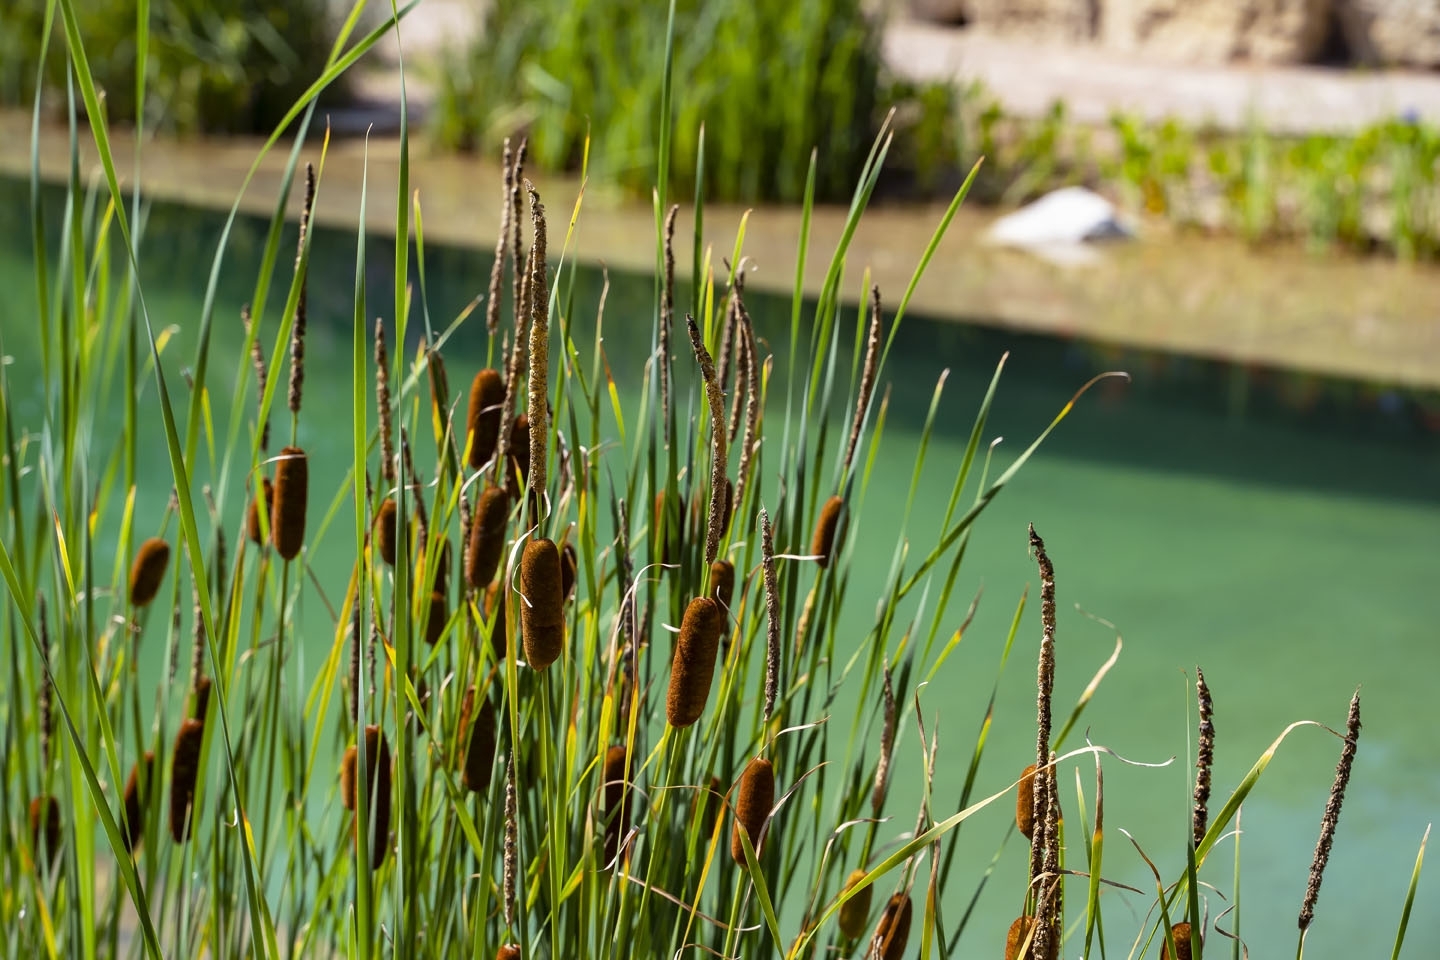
(1025, 802)
(1331, 819)
(1180, 932)
(377, 758)
(184, 771)
(257, 358)
(616, 811)
(137, 800)
(478, 761)
(508, 951)
(254, 529)
(487, 538)
(437, 618)
(867, 378)
(297, 331)
(569, 570)
(893, 930)
(824, 540)
(887, 747)
(495, 612)
(487, 398)
(439, 386)
(722, 583)
(385, 534)
(510, 856)
(347, 778)
(752, 807)
(542, 612)
(497, 268)
(1204, 756)
(855, 911)
(719, 454)
(538, 409)
(45, 828)
(200, 698)
(382, 405)
(148, 571)
(1019, 930)
(772, 613)
(667, 320)
(287, 512)
(693, 665)
(1045, 684)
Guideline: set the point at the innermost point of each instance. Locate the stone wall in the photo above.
(1403, 33)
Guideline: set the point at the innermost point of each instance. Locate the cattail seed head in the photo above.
(382, 404)
(260, 503)
(487, 538)
(487, 399)
(45, 828)
(385, 533)
(435, 622)
(719, 453)
(887, 747)
(693, 666)
(616, 811)
(184, 771)
(893, 930)
(1331, 819)
(508, 952)
(478, 762)
(722, 583)
(855, 911)
(287, 512)
(752, 806)
(542, 615)
(1180, 932)
(1025, 803)
(200, 699)
(772, 613)
(137, 799)
(297, 331)
(377, 758)
(1204, 756)
(824, 540)
(517, 471)
(148, 571)
(1019, 930)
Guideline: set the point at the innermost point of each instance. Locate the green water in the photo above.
(1281, 533)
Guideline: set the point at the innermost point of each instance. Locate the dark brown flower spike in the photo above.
(893, 930)
(148, 571)
(508, 951)
(200, 698)
(438, 616)
(478, 737)
(569, 570)
(287, 514)
(722, 583)
(297, 330)
(752, 806)
(616, 811)
(1015, 939)
(823, 542)
(855, 911)
(692, 667)
(377, 758)
(384, 533)
(495, 609)
(487, 399)
(45, 829)
(1025, 802)
(1331, 818)
(1180, 932)
(486, 546)
(139, 787)
(542, 612)
(1204, 757)
(259, 503)
(184, 771)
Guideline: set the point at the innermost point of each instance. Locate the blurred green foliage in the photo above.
(215, 66)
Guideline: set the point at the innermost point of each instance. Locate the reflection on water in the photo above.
(1277, 529)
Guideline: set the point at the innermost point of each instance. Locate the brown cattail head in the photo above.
(752, 806)
(487, 537)
(722, 583)
(382, 404)
(1015, 939)
(377, 758)
(824, 540)
(385, 534)
(855, 911)
(1331, 819)
(45, 828)
(1204, 756)
(495, 611)
(616, 812)
(693, 666)
(297, 331)
(137, 799)
(569, 570)
(200, 698)
(772, 613)
(542, 612)
(478, 761)
(487, 397)
(184, 771)
(517, 470)
(893, 930)
(437, 618)
(347, 778)
(260, 503)
(1025, 802)
(1180, 932)
(508, 951)
(148, 571)
(287, 511)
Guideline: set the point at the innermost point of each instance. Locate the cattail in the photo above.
(200, 699)
(617, 807)
(752, 807)
(1050, 897)
(518, 460)
(1180, 933)
(517, 174)
(1332, 813)
(824, 540)
(538, 410)
(45, 828)
(479, 738)
(1025, 803)
(497, 269)
(719, 462)
(510, 857)
(184, 771)
(385, 533)
(1045, 683)
(439, 391)
(382, 405)
(139, 788)
(287, 511)
(487, 398)
(259, 504)
(887, 747)
(1019, 930)
(412, 476)
(855, 911)
(297, 331)
(495, 612)
(148, 570)
(257, 358)
(752, 401)
(438, 616)
(667, 320)
(735, 342)
(772, 613)
(542, 614)
(867, 378)
(569, 570)
(377, 758)
(693, 665)
(442, 567)
(722, 583)
(508, 951)
(487, 538)
(1204, 757)
(893, 930)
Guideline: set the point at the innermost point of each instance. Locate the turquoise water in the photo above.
(1282, 533)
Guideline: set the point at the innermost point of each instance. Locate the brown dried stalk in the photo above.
(718, 454)
(887, 746)
(867, 379)
(772, 614)
(539, 410)
(257, 359)
(752, 404)
(297, 331)
(497, 269)
(1331, 818)
(667, 319)
(1044, 775)
(1204, 756)
(382, 404)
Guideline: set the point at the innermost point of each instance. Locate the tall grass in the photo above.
(510, 782)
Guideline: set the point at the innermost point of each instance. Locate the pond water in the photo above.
(1278, 530)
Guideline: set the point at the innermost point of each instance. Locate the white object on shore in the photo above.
(1058, 225)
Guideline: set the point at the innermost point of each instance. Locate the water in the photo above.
(1278, 530)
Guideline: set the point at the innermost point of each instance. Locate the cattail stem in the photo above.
(1204, 756)
(718, 460)
(772, 613)
(867, 380)
(1331, 818)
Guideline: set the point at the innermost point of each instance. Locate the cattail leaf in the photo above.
(1410, 896)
